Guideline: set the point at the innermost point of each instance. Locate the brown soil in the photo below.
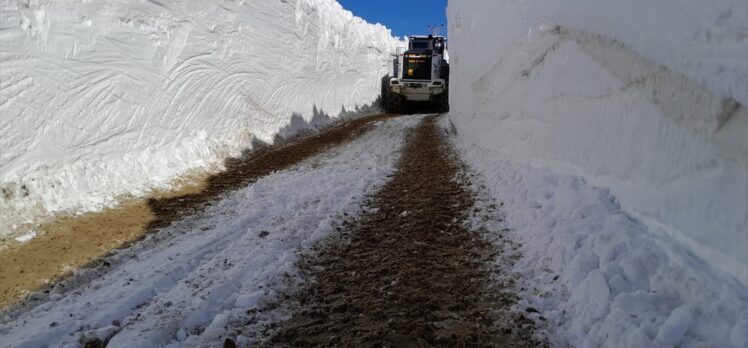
(408, 274)
(72, 242)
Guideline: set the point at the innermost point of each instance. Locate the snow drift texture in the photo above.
(100, 98)
(648, 99)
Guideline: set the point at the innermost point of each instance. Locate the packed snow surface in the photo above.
(200, 274)
(646, 99)
(106, 98)
(598, 276)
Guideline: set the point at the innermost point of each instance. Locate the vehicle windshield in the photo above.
(419, 45)
(417, 66)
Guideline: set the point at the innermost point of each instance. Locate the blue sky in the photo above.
(404, 17)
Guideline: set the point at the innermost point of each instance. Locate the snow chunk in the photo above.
(590, 300)
(250, 300)
(676, 325)
(216, 328)
(181, 335)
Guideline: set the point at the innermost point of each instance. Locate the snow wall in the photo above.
(648, 99)
(103, 98)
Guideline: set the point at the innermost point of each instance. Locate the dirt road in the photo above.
(408, 274)
(355, 236)
(71, 242)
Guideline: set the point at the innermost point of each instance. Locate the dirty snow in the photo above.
(641, 98)
(106, 98)
(197, 275)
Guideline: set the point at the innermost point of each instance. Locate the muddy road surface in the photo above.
(361, 235)
(407, 274)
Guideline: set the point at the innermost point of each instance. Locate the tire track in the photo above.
(72, 242)
(408, 273)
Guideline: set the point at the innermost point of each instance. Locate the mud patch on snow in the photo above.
(407, 273)
(68, 243)
(72, 242)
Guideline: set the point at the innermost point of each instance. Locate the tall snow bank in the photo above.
(102, 98)
(646, 99)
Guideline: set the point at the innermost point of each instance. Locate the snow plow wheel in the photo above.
(384, 92)
(444, 102)
(394, 103)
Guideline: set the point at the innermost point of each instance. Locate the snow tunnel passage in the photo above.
(81, 241)
(408, 273)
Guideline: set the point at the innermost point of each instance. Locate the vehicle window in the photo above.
(420, 45)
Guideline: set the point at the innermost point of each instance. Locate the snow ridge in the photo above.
(598, 276)
(107, 98)
(614, 132)
(568, 92)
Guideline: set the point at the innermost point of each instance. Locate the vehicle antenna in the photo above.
(435, 28)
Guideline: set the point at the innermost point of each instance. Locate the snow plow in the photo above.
(419, 74)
